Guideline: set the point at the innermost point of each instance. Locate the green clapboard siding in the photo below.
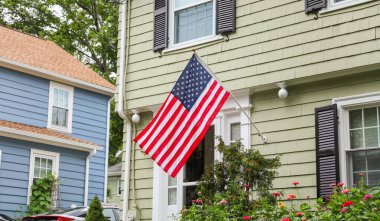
(114, 198)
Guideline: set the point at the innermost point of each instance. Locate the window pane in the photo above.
(189, 195)
(373, 178)
(194, 22)
(172, 196)
(37, 162)
(61, 98)
(43, 163)
(359, 161)
(50, 164)
(370, 117)
(235, 131)
(172, 181)
(371, 137)
(201, 159)
(355, 119)
(359, 176)
(356, 138)
(36, 172)
(373, 158)
(59, 117)
(181, 3)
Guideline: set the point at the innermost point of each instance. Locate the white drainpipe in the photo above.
(107, 149)
(120, 102)
(91, 154)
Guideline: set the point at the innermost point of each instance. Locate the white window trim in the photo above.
(332, 6)
(44, 154)
(70, 90)
(345, 104)
(173, 46)
(227, 115)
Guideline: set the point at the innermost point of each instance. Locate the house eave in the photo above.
(46, 139)
(39, 72)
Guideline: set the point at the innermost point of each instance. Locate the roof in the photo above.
(44, 135)
(114, 170)
(43, 54)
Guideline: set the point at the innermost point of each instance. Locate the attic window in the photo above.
(60, 107)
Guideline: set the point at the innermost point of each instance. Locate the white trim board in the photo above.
(39, 72)
(46, 139)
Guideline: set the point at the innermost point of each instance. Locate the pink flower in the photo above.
(286, 219)
(276, 194)
(291, 196)
(332, 185)
(295, 183)
(193, 201)
(303, 219)
(299, 214)
(367, 196)
(345, 191)
(223, 202)
(344, 209)
(246, 217)
(340, 184)
(347, 203)
(199, 201)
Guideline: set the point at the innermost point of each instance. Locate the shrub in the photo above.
(40, 200)
(95, 212)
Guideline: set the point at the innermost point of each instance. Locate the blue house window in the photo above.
(60, 107)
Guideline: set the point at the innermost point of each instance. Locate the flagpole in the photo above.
(263, 138)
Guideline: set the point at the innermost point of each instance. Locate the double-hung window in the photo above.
(338, 4)
(192, 20)
(60, 107)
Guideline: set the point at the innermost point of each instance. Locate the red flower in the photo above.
(286, 219)
(199, 201)
(276, 194)
(345, 191)
(295, 183)
(299, 214)
(291, 196)
(367, 196)
(193, 201)
(246, 217)
(344, 209)
(340, 184)
(247, 186)
(347, 203)
(223, 202)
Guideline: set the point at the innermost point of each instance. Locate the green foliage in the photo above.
(226, 192)
(95, 212)
(85, 28)
(40, 200)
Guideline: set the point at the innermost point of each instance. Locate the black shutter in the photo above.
(314, 5)
(225, 16)
(160, 22)
(326, 135)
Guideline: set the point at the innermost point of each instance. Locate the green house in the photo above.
(307, 72)
(114, 184)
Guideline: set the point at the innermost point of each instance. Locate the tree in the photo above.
(85, 28)
(95, 212)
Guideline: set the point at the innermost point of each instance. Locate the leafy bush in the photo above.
(95, 212)
(40, 200)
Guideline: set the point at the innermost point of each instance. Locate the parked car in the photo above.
(5, 218)
(77, 214)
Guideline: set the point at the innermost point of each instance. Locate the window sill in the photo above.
(59, 129)
(343, 6)
(192, 44)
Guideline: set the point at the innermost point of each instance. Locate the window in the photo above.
(191, 20)
(118, 191)
(338, 4)
(42, 163)
(108, 213)
(359, 138)
(60, 107)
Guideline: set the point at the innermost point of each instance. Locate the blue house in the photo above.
(54, 118)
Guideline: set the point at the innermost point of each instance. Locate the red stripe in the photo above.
(200, 137)
(194, 114)
(138, 137)
(194, 129)
(162, 131)
(158, 124)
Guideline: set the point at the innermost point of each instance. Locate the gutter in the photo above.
(51, 75)
(124, 45)
(85, 200)
(107, 149)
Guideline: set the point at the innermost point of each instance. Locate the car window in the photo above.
(108, 213)
(75, 212)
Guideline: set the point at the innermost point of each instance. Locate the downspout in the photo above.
(92, 153)
(124, 53)
(107, 149)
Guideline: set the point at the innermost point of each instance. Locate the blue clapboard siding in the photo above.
(23, 98)
(14, 174)
(90, 123)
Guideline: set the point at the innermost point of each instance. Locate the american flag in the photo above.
(184, 118)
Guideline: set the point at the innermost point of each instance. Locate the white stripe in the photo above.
(163, 137)
(162, 124)
(179, 130)
(151, 128)
(197, 133)
(185, 135)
